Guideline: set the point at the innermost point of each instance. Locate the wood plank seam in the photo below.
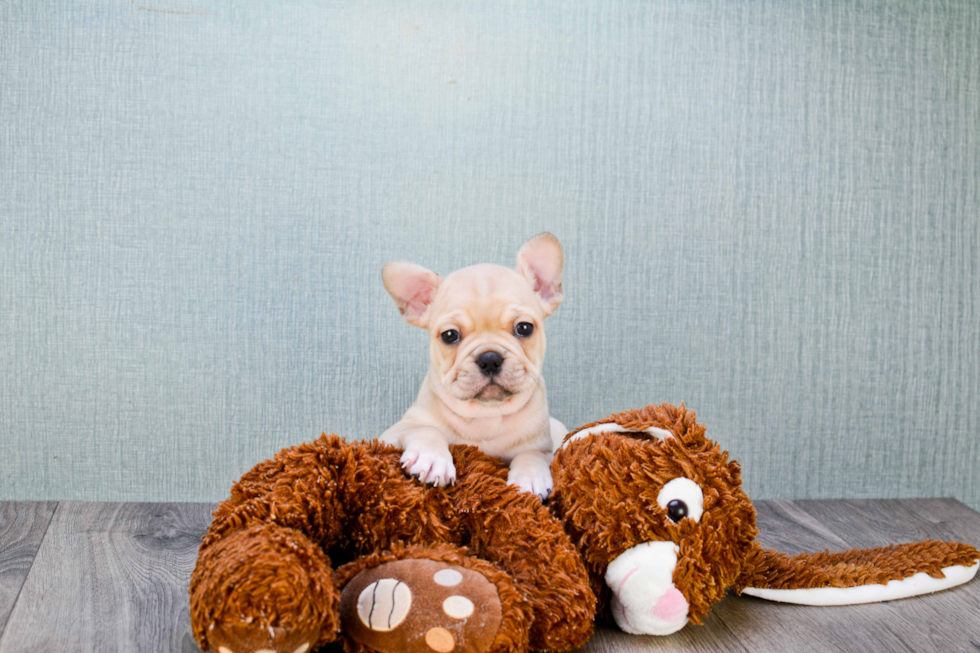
(30, 569)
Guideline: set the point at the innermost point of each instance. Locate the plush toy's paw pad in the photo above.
(421, 606)
(434, 467)
(252, 638)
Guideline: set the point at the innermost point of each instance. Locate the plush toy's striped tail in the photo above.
(858, 575)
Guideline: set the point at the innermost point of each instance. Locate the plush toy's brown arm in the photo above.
(263, 560)
(261, 551)
(777, 576)
(515, 531)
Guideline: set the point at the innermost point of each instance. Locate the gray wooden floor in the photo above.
(113, 577)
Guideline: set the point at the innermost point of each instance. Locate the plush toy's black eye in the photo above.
(450, 336)
(523, 329)
(676, 510)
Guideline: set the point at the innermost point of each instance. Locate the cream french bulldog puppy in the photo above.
(486, 348)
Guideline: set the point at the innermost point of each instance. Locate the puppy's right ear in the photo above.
(540, 261)
(412, 287)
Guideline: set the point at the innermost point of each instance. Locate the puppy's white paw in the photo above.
(431, 466)
(531, 472)
(539, 484)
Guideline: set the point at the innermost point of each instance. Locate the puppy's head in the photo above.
(485, 323)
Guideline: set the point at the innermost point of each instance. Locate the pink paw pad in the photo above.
(671, 606)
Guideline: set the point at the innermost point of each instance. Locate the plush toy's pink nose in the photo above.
(671, 606)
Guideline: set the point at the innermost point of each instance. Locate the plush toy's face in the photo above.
(661, 521)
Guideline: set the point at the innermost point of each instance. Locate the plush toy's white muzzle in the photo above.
(644, 599)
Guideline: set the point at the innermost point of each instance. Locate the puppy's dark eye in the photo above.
(523, 329)
(676, 510)
(450, 336)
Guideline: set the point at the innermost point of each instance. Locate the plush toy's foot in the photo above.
(424, 605)
(242, 638)
(265, 589)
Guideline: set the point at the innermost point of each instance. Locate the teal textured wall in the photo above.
(770, 211)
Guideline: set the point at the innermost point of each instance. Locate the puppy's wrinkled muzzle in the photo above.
(644, 600)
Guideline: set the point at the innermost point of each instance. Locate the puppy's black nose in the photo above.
(489, 362)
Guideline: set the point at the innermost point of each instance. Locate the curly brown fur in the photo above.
(352, 497)
(767, 569)
(606, 494)
(677, 419)
(287, 585)
(332, 500)
(264, 575)
(514, 530)
(608, 502)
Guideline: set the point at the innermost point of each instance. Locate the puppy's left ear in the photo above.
(540, 261)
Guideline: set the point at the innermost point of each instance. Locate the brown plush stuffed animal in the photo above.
(658, 514)
(332, 538)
